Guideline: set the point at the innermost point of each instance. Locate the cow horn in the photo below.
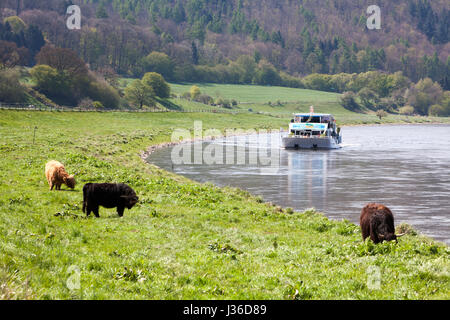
(401, 234)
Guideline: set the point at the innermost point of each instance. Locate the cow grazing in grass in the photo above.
(377, 222)
(56, 175)
(108, 195)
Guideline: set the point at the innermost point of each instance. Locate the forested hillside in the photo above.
(299, 37)
(322, 45)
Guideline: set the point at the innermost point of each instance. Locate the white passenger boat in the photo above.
(312, 131)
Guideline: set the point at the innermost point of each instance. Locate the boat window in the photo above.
(314, 119)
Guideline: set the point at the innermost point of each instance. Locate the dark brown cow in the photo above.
(377, 221)
(108, 195)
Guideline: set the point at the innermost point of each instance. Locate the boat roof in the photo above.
(314, 114)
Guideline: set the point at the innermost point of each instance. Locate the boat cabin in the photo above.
(313, 124)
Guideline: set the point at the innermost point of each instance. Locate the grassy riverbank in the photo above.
(184, 240)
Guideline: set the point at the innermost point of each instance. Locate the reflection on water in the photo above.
(407, 168)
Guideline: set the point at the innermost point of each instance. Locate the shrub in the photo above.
(85, 103)
(139, 94)
(186, 95)
(318, 82)
(16, 23)
(97, 105)
(406, 110)
(223, 103)
(102, 92)
(157, 82)
(381, 114)
(10, 88)
(49, 81)
(159, 62)
(194, 92)
(205, 99)
(368, 97)
(266, 74)
(437, 111)
(348, 101)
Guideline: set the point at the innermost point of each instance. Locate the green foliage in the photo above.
(407, 110)
(50, 82)
(64, 88)
(348, 101)
(181, 27)
(101, 11)
(437, 111)
(381, 114)
(103, 92)
(97, 105)
(320, 82)
(368, 97)
(156, 81)
(10, 88)
(194, 92)
(266, 74)
(423, 95)
(16, 23)
(160, 63)
(138, 93)
(203, 98)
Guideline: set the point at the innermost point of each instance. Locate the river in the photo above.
(405, 167)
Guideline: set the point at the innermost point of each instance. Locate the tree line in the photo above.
(294, 37)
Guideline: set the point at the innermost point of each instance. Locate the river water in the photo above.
(405, 167)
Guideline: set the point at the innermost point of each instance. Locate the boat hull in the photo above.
(309, 143)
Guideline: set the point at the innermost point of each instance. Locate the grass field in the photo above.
(184, 240)
(286, 101)
(259, 94)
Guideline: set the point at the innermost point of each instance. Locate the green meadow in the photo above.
(259, 94)
(184, 240)
(282, 102)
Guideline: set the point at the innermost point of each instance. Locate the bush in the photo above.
(381, 114)
(266, 74)
(223, 103)
(102, 92)
(290, 81)
(85, 103)
(406, 110)
(368, 97)
(194, 92)
(51, 82)
(157, 82)
(205, 99)
(348, 101)
(10, 88)
(138, 94)
(318, 82)
(159, 62)
(97, 105)
(437, 111)
(16, 23)
(186, 95)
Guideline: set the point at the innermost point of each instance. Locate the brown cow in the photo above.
(377, 221)
(56, 175)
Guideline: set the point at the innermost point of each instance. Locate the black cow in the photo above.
(377, 221)
(108, 195)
